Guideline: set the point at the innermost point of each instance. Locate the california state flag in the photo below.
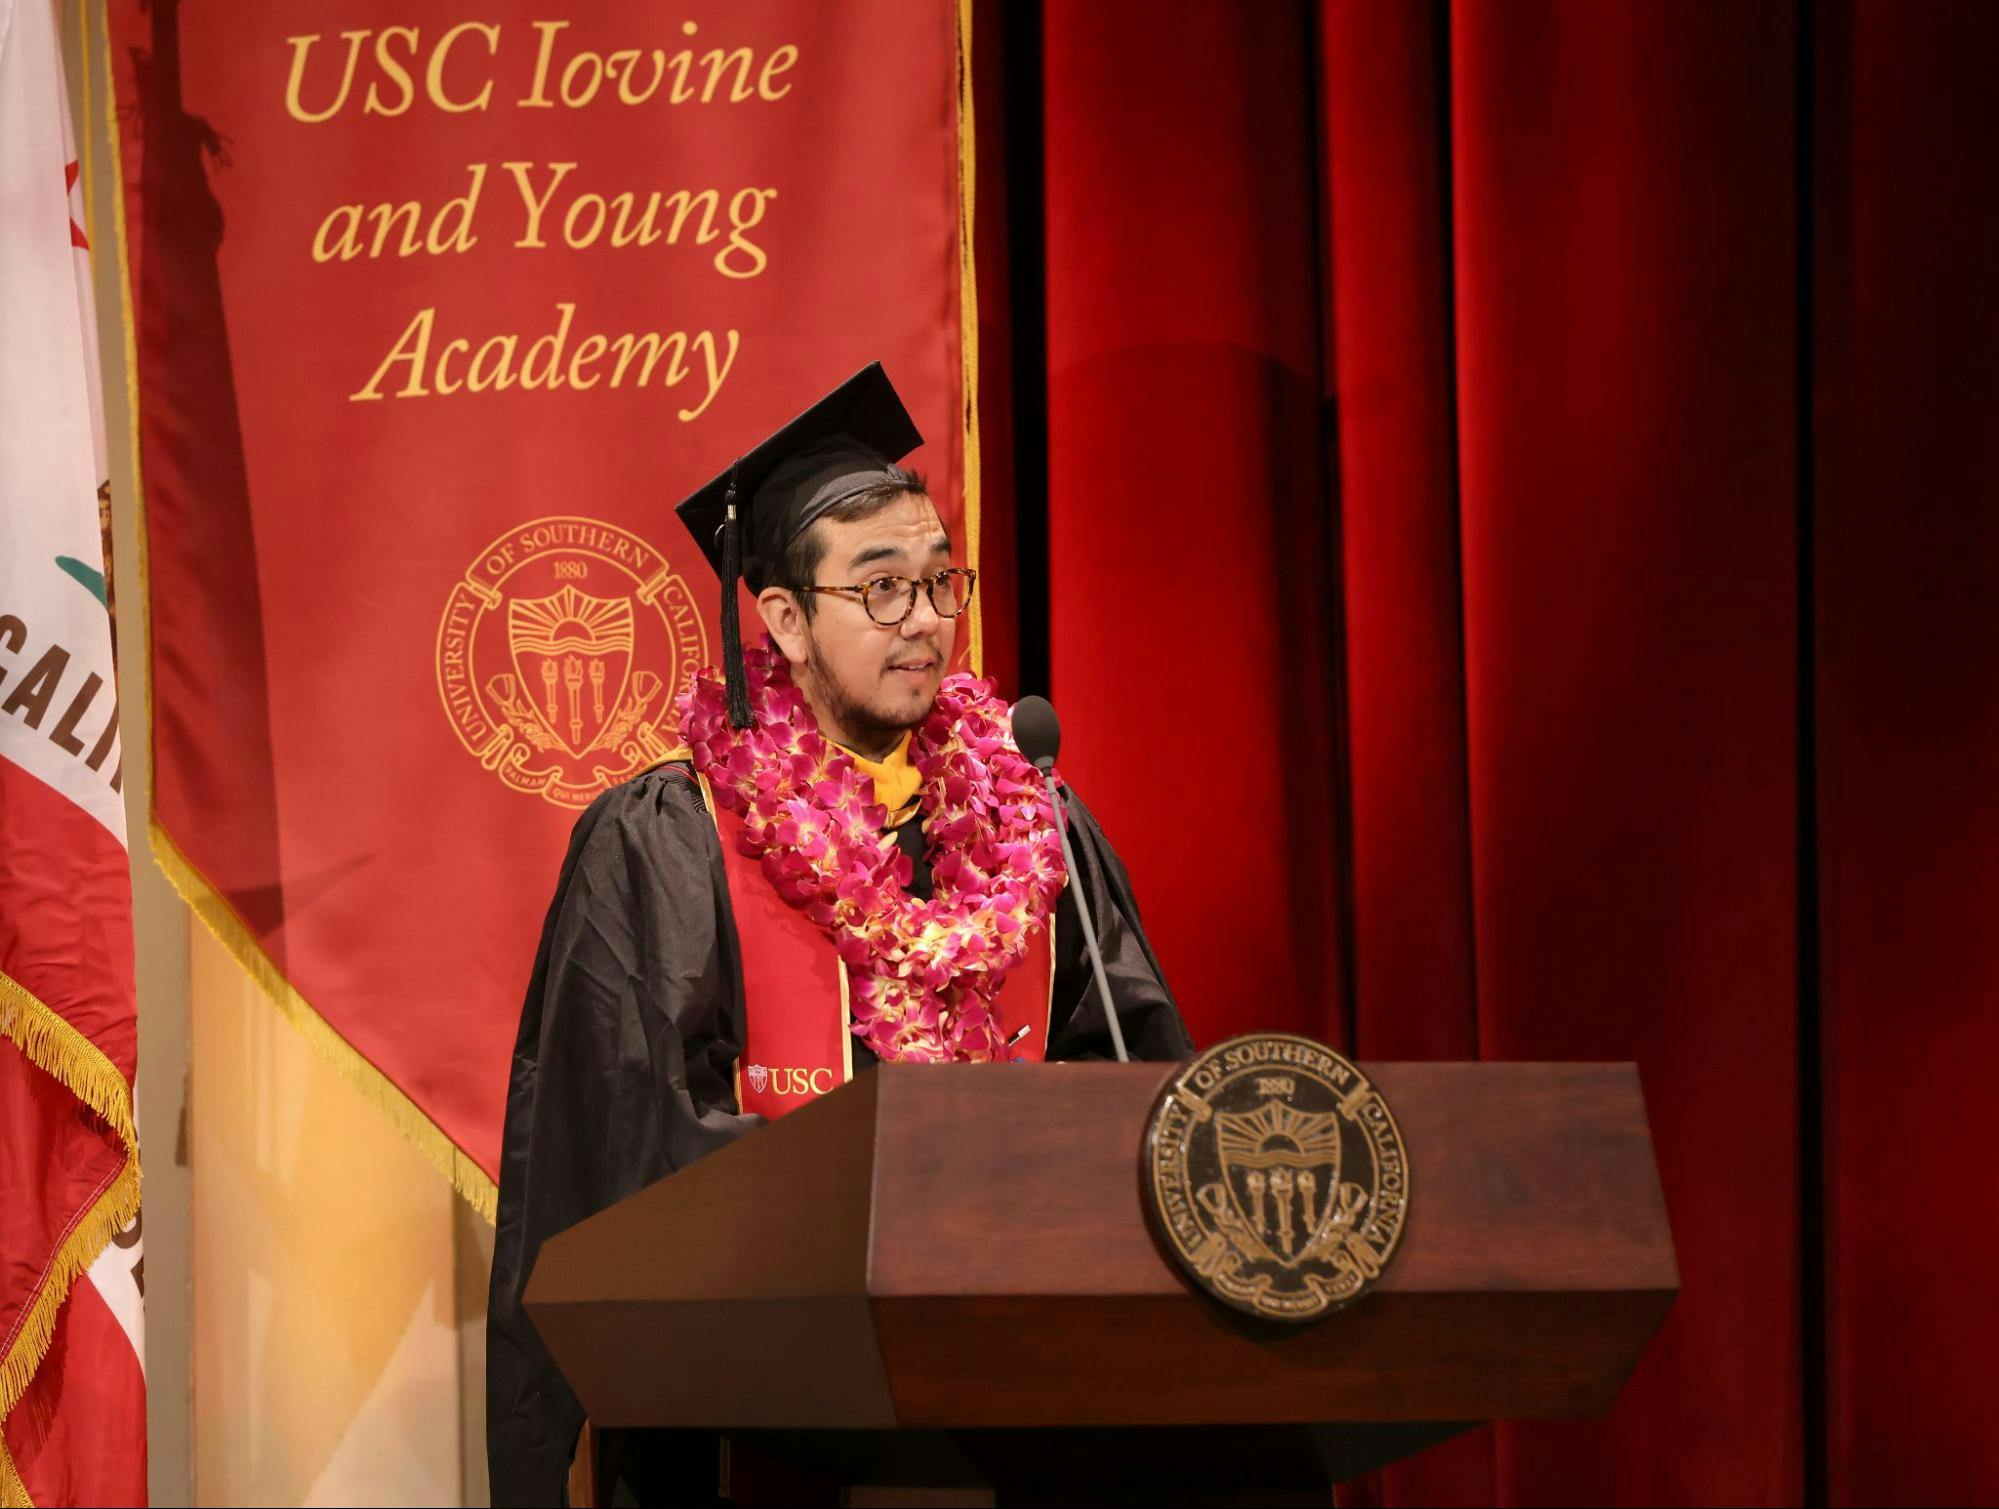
(72, 1381)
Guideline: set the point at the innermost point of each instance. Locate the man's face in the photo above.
(870, 680)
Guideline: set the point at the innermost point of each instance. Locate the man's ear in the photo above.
(785, 619)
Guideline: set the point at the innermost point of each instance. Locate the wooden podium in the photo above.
(945, 1276)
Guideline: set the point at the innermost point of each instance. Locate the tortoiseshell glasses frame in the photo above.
(881, 595)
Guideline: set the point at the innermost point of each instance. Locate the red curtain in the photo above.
(1905, 553)
(1189, 542)
(1514, 492)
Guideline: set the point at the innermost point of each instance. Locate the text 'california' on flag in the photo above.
(72, 1381)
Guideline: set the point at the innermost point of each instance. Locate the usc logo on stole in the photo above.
(788, 1080)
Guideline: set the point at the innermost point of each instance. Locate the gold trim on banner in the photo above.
(208, 904)
(968, 317)
(79, 1065)
(220, 918)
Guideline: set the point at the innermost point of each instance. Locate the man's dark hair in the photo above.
(801, 559)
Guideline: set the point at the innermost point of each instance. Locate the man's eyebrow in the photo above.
(939, 546)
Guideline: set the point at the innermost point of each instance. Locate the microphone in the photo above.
(1037, 732)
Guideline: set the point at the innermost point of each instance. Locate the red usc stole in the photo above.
(798, 1043)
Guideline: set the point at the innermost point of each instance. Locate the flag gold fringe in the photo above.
(79, 1065)
(53, 1045)
(470, 1180)
(13, 1492)
(968, 317)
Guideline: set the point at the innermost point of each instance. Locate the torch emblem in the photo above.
(569, 649)
(1276, 1176)
(556, 654)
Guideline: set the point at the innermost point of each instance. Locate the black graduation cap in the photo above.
(744, 518)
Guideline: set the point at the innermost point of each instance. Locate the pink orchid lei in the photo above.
(924, 973)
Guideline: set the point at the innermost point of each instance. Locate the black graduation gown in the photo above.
(623, 1070)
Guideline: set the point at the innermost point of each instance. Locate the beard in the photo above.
(865, 724)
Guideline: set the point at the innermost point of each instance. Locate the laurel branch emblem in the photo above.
(558, 652)
(1276, 1176)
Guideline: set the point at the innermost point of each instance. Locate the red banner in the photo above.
(437, 317)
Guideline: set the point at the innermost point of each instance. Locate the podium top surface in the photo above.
(947, 1239)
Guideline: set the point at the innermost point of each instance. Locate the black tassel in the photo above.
(734, 676)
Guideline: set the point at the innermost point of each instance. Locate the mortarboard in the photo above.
(744, 518)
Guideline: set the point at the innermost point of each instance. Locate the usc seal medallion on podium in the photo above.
(1277, 1176)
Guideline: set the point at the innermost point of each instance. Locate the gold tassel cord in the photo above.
(79, 1065)
(470, 1180)
(968, 316)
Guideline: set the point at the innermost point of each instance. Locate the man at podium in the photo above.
(847, 861)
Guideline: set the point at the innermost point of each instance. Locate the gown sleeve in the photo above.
(620, 1075)
(1150, 1020)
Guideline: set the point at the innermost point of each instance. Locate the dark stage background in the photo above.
(1504, 505)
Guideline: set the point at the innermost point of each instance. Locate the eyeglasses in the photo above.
(891, 599)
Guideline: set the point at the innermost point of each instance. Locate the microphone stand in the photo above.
(1083, 909)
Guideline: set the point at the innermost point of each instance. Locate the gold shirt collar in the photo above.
(896, 778)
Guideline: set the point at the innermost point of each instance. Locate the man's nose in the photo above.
(923, 618)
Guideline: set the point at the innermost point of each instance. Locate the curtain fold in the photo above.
(1625, 213)
(1391, 407)
(1520, 555)
(1191, 618)
(1906, 566)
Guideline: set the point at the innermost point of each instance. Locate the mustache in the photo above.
(925, 658)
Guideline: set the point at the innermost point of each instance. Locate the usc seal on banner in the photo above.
(1276, 1176)
(558, 655)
